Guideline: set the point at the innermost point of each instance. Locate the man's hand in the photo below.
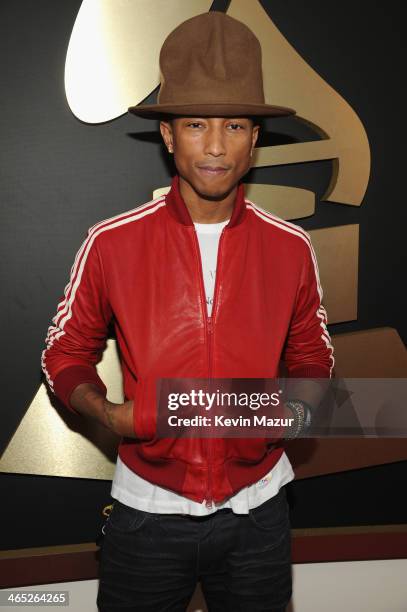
(119, 418)
(88, 400)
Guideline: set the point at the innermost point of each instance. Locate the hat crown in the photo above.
(211, 58)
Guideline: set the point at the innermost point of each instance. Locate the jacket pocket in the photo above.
(144, 410)
(250, 450)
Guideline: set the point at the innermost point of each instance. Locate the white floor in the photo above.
(359, 586)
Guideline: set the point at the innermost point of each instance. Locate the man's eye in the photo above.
(236, 125)
(194, 123)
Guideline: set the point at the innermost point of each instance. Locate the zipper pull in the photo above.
(208, 498)
(208, 504)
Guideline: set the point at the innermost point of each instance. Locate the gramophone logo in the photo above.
(112, 63)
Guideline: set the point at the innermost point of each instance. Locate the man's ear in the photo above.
(166, 133)
(255, 135)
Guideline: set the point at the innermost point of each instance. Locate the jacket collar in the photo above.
(178, 209)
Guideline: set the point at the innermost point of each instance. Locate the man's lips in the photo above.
(213, 170)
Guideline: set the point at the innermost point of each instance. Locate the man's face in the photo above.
(211, 153)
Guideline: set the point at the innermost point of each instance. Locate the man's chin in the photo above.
(213, 192)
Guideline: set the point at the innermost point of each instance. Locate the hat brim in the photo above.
(154, 111)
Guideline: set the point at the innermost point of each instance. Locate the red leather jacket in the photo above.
(142, 269)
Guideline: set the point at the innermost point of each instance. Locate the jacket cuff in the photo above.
(69, 378)
(309, 371)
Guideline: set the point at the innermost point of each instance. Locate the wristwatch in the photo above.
(302, 414)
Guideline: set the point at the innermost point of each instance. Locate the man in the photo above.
(194, 509)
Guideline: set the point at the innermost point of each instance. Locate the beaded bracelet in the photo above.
(302, 413)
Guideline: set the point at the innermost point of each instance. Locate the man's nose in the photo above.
(215, 141)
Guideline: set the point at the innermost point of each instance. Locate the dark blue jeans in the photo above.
(152, 562)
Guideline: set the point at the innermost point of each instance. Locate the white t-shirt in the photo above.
(134, 491)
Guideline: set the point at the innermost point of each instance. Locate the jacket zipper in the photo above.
(209, 331)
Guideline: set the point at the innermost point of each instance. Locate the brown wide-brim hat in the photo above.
(211, 65)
